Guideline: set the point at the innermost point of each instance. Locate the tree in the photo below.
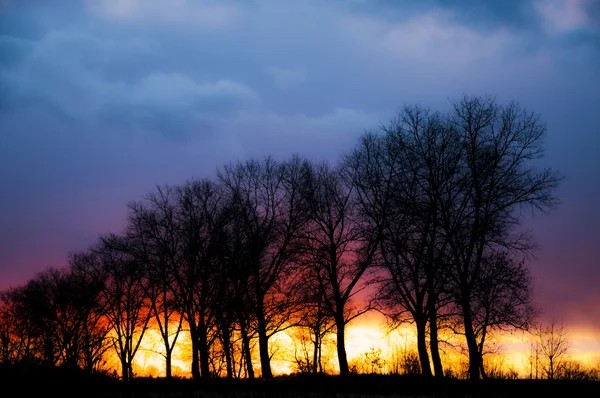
(16, 326)
(68, 300)
(553, 343)
(315, 323)
(88, 274)
(124, 301)
(496, 182)
(333, 248)
(156, 243)
(265, 204)
(402, 177)
(443, 190)
(502, 299)
(38, 303)
(200, 219)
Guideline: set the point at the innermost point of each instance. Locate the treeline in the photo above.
(425, 213)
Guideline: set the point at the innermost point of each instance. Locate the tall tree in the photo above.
(333, 247)
(265, 199)
(200, 219)
(156, 243)
(498, 180)
(125, 304)
(401, 177)
(414, 247)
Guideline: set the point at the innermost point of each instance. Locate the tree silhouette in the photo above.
(498, 180)
(156, 243)
(200, 219)
(88, 274)
(333, 248)
(402, 177)
(265, 204)
(553, 344)
(125, 304)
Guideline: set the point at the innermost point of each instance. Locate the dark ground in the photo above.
(38, 382)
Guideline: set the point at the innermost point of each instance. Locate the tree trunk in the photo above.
(340, 325)
(316, 351)
(124, 368)
(168, 347)
(168, 371)
(130, 369)
(195, 357)
(422, 346)
(482, 368)
(203, 348)
(263, 343)
(227, 348)
(474, 357)
(433, 345)
(246, 351)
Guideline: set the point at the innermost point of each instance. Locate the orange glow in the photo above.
(363, 336)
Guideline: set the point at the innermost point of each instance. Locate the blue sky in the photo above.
(102, 100)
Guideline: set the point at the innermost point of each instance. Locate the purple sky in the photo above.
(102, 100)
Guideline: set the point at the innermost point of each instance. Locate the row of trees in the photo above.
(424, 214)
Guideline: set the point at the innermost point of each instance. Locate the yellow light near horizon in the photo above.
(150, 360)
(363, 335)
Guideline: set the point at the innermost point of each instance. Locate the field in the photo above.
(53, 383)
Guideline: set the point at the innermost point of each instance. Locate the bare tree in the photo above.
(553, 344)
(125, 304)
(314, 324)
(68, 300)
(443, 190)
(88, 273)
(497, 181)
(201, 219)
(402, 177)
(265, 204)
(333, 247)
(38, 303)
(17, 328)
(502, 299)
(156, 243)
(239, 301)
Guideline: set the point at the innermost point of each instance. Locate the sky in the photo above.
(102, 100)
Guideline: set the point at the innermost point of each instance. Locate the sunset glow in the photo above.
(363, 335)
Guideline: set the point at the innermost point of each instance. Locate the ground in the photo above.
(50, 383)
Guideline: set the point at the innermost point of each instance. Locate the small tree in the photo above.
(554, 346)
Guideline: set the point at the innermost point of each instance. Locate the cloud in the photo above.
(72, 72)
(562, 16)
(427, 36)
(177, 90)
(287, 78)
(202, 13)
